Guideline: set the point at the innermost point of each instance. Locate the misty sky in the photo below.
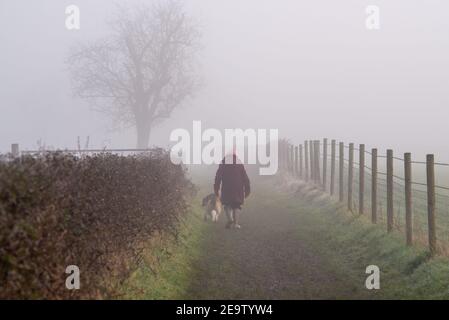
(309, 68)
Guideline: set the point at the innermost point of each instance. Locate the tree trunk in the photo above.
(143, 135)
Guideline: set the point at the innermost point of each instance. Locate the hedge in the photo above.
(96, 212)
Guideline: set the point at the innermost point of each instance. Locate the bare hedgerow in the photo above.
(98, 213)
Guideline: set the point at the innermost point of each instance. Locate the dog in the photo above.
(212, 206)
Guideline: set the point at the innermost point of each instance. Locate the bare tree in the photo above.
(143, 70)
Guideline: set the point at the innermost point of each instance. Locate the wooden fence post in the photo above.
(312, 163)
(286, 156)
(361, 178)
(15, 150)
(374, 185)
(350, 175)
(301, 173)
(281, 154)
(324, 163)
(342, 168)
(290, 158)
(332, 167)
(390, 186)
(431, 203)
(317, 162)
(296, 169)
(408, 198)
(306, 159)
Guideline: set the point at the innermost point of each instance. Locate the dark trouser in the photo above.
(232, 214)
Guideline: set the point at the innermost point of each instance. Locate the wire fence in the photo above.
(15, 152)
(400, 193)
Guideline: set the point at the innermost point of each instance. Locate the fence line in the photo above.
(16, 152)
(398, 204)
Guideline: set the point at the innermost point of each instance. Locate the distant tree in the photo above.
(141, 72)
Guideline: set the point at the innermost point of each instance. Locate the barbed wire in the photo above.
(394, 157)
(356, 165)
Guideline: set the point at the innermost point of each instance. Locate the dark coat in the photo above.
(234, 183)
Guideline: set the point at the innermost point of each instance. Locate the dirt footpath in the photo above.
(269, 258)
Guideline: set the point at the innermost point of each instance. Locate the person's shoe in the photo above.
(229, 225)
(237, 226)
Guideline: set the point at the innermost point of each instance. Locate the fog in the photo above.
(309, 68)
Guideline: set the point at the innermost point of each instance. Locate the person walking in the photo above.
(234, 183)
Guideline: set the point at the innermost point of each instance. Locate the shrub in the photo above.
(96, 212)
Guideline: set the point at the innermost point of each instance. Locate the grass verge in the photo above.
(351, 243)
(166, 270)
